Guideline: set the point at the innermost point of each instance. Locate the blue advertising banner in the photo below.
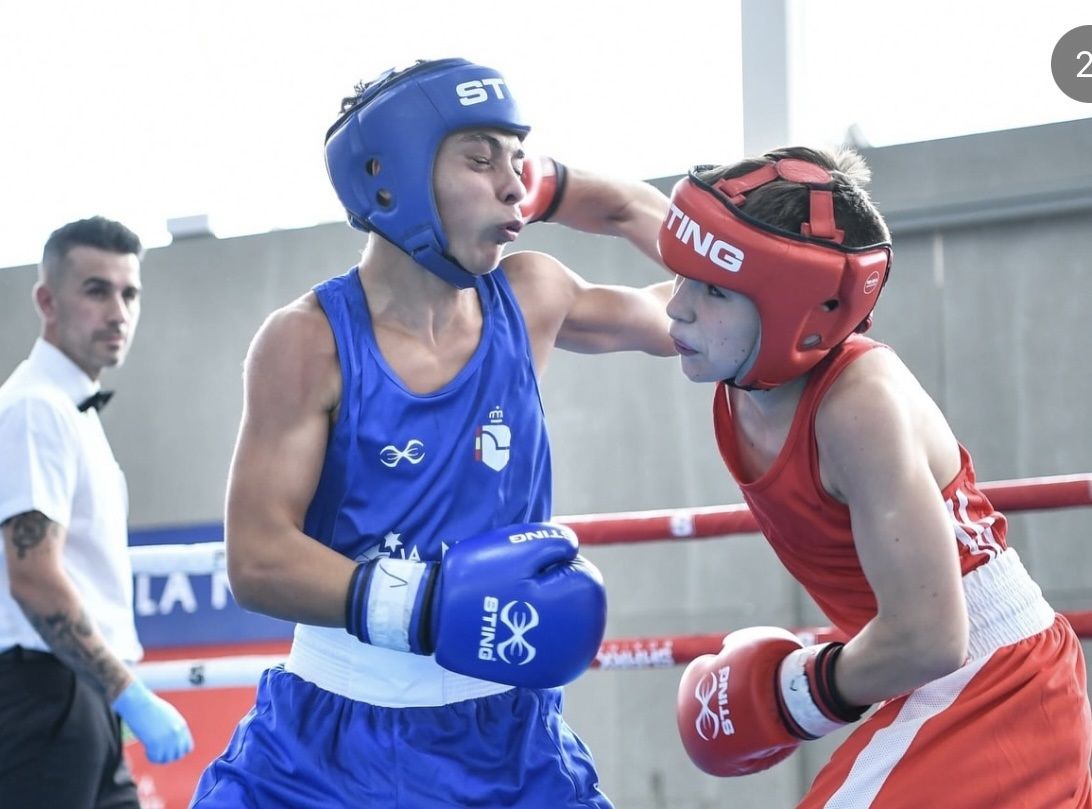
(189, 609)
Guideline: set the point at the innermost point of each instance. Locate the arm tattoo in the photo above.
(73, 639)
(29, 530)
(69, 632)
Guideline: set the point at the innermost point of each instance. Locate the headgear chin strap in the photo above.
(811, 292)
(380, 153)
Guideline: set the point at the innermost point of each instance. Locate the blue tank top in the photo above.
(407, 474)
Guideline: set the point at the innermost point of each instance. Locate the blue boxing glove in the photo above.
(516, 605)
(158, 724)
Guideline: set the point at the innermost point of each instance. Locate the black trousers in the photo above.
(60, 743)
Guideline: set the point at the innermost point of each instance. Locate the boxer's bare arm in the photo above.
(632, 210)
(563, 309)
(881, 451)
(291, 389)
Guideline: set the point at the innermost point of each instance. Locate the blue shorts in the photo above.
(301, 747)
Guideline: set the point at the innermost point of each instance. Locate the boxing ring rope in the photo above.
(1028, 494)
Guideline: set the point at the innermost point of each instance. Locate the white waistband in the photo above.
(335, 661)
(1004, 605)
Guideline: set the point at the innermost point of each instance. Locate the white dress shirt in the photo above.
(56, 460)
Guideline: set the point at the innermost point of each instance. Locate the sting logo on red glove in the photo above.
(710, 724)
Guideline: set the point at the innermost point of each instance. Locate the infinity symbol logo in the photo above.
(414, 452)
(520, 621)
(707, 725)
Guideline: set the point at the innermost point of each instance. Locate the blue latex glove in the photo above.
(158, 724)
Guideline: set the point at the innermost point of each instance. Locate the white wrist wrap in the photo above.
(797, 696)
(391, 596)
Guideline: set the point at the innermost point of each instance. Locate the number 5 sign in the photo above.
(1071, 63)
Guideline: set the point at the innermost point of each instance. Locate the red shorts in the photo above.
(1011, 730)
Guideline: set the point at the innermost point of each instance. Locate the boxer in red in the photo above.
(871, 503)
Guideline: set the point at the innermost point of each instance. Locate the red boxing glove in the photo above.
(728, 709)
(544, 178)
(749, 707)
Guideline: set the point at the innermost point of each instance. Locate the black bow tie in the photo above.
(96, 400)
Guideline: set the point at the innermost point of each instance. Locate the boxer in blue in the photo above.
(391, 483)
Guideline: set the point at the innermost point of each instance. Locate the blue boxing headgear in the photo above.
(380, 153)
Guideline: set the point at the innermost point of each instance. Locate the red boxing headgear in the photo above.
(811, 292)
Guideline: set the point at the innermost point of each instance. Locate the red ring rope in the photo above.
(676, 650)
(1028, 494)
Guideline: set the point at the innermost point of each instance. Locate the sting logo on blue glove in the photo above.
(520, 617)
(549, 532)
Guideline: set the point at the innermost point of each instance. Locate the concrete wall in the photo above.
(987, 304)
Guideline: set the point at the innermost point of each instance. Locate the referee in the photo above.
(67, 634)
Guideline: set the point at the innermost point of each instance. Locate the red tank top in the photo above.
(810, 530)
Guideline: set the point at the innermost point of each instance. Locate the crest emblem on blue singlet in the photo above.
(493, 441)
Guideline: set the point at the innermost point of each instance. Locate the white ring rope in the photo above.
(200, 558)
(215, 672)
